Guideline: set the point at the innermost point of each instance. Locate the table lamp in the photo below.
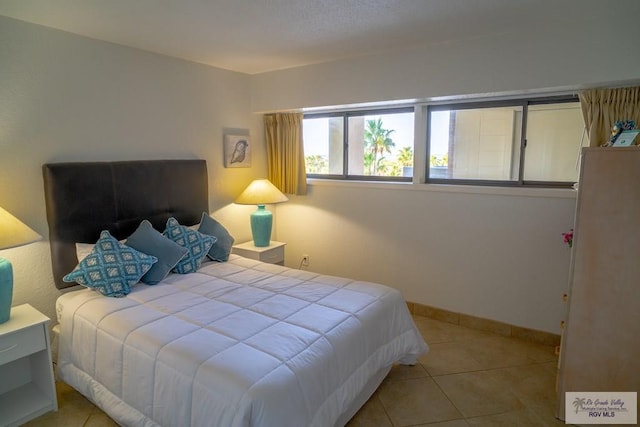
(12, 233)
(261, 192)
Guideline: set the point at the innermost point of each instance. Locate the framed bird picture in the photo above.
(237, 151)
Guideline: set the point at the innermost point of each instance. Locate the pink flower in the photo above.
(568, 238)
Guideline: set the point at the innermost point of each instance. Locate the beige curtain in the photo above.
(601, 108)
(285, 152)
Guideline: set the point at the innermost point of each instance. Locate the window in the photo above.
(520, 142)
(373, 145)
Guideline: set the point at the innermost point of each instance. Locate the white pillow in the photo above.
(83, 249)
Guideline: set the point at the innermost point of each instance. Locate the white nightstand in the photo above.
(273, 254)
(27, 388)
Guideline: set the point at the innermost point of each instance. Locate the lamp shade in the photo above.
(261, 192)
(12, 233)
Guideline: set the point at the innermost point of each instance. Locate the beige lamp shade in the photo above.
(14, 232)
(261, 192)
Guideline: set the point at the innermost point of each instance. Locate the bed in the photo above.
(235, 343)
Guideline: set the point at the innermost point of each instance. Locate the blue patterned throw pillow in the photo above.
(222, 248)
(197, 243)
(111, 268)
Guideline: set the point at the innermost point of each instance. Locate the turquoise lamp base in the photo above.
(261, 222)
(6, 289)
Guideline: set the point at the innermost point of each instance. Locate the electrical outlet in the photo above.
(305, 260)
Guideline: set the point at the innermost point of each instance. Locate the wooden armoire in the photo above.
(600, 349)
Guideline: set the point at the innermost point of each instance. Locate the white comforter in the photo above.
(240, 343)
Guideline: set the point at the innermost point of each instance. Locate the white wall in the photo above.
(574, 53)
(496, 254)
(490, 253)
(69, 98)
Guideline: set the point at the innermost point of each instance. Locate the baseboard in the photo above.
(473, 322)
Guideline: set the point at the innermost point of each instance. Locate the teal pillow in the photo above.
(111, 268)
(148, 240)
(197, 243)
(222, 248)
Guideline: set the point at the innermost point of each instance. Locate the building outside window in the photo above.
(520, 142)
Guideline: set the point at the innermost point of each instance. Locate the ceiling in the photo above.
(255, 36)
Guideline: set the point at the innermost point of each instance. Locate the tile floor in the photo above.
(468, 378)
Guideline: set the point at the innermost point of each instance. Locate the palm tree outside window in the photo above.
(363, 145)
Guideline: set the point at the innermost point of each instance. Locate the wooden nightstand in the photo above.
(273, 254)
(27, 388)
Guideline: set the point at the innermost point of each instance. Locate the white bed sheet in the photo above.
(241, 343)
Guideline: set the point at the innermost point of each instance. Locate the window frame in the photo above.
(345, 115)
(524, 103)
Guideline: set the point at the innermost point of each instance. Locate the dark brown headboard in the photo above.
(82, 199)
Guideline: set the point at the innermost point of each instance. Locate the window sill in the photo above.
(564, 193)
